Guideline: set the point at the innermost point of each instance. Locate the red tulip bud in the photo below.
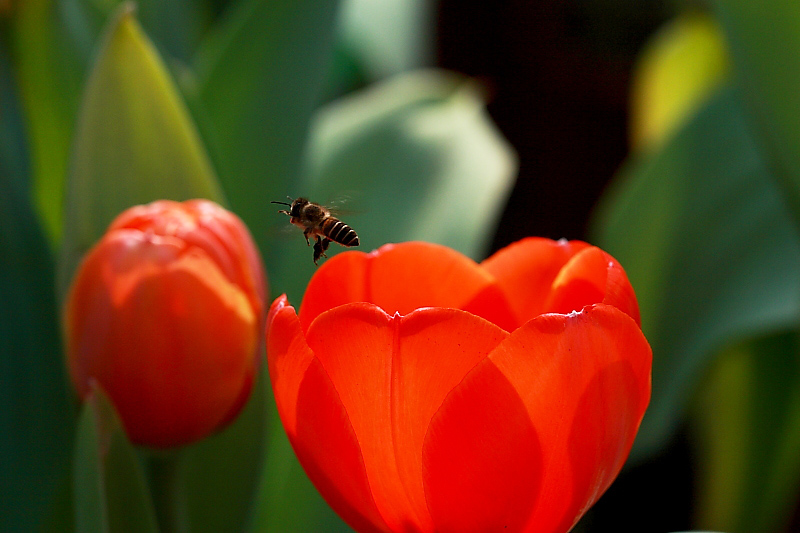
(164, 313)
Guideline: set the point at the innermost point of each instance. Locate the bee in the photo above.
(317, 222)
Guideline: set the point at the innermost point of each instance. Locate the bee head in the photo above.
(297, 207)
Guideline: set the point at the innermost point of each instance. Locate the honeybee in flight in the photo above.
(317, 222)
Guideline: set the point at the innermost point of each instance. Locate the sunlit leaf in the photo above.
(747, 419)
(681, 66)
(764, 40)
(389, 36)
(259, 77)
(422, 160)
(134, 142)
(709, 246)
(35, 414)
(110, 489)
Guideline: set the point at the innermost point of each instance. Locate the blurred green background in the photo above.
(667, 132)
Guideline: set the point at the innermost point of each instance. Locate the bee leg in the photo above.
(306, 233)
(319, 248)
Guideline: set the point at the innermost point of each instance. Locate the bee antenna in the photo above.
(281, 203)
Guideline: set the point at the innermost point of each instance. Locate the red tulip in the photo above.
(424, 392)
(164, 313)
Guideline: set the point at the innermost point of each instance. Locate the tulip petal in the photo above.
(404, 277)
(391, 375)
(592, 276)
(206, 225)
(316, 422)
(482, 457)
(584, 379)
(526, 269)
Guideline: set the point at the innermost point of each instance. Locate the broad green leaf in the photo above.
(747, 424)
(35, 413)
(422, 157)
(765, 41)
(422, 160)
(389, 37)
(260, 76)
(51, 70)
(710, 249)
(220, 473)
(110, 489)
(134, 142)
(681, 66)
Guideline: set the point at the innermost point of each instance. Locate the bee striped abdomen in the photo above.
(339, 232)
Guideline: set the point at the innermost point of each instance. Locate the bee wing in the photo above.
(343, 205)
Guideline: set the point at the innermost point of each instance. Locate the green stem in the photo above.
(167, 495)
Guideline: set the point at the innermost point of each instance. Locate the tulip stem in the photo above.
(167, 494)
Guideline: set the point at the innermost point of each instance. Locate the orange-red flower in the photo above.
(165, 314)
(424, 392)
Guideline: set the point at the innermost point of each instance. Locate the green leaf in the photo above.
(421, 157)
(35, 412)
(259, 78)
(702, 231)
(747, 419)
(747, 424)
(51, 69)
(110, 489)
(764, 41)
(134, 142)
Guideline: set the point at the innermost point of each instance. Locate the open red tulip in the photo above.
(422, 391)
(165, 314)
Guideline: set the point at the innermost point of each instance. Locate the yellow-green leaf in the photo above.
(677, 71)
(134, 142)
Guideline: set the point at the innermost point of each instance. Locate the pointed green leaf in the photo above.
(423, 161)
(134, 142)
(710, 249)
(35, 412)
(747, 424)
(110, 489)
(259, 78)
